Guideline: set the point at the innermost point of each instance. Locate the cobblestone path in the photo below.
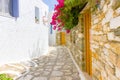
(57, 65)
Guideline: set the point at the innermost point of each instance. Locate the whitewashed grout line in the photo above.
(16, 66)
(26, 72)
(27, 69)
(81, 75)
(11, 72)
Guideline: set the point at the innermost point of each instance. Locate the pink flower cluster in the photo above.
(56, 22)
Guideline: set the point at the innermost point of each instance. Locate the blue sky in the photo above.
(50, 3)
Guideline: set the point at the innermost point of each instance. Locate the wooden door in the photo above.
(62, 38)
(87, 25)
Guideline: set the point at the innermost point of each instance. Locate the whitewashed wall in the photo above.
(23, 39)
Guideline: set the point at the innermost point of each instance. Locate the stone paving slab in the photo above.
(13, 70)
(57, 65)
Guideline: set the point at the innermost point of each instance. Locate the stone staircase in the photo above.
(15, 70)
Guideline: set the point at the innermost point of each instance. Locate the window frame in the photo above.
(37, 15)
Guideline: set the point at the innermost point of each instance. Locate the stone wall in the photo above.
(57, 38)
(75, 42)
(105, 41)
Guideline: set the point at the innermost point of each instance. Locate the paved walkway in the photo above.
(57, 65)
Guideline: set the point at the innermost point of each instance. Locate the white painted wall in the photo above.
(52, 37)
(23, 39)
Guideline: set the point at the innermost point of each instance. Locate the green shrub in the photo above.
(5, 77)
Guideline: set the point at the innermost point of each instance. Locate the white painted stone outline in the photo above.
(81, 75)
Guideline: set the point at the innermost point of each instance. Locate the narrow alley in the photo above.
(59, 39)
(57, 65)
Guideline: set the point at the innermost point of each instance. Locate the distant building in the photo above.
(52, 33)
(23, 35)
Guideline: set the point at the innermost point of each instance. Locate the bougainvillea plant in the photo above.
(56, 21)
(66, 14)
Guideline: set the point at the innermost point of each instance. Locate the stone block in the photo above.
(109, 15)
(102, 3)
(98, 27)
(105, 8)
(104, 38)
(93, 50)
(95, 46)
(117, 31)
(105, 51)
(117, 72)
(93, 32)
(103, 21)
(112, 37)
(118, 62)
(96, 21)
(115, 47)
(103, 74)
(109, 70)
(102, 58)
(115, 23)
(107, 61)
(100, 38)
(116, 13)
(107, 45)
(100, 65)
(115, 4)
(80, 35)
(106, 28)
(96, 38)
(112, 57)
(95, 55)
(112, 77)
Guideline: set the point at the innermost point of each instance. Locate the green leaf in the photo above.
(5, 77)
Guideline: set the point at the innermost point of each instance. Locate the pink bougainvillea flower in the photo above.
(67, 31)
(54, 28)
(59, 5)
(55, 15)
(57, 8)
(53, 22)
(59, 28)
(58, 20)
(61, 2)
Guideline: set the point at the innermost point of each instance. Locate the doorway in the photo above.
(62, 38)
(88, 54)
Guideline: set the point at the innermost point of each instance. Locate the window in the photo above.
(4, 7)
(9, 8)
(36, 15)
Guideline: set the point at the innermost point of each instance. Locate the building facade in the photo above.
(23, 35)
